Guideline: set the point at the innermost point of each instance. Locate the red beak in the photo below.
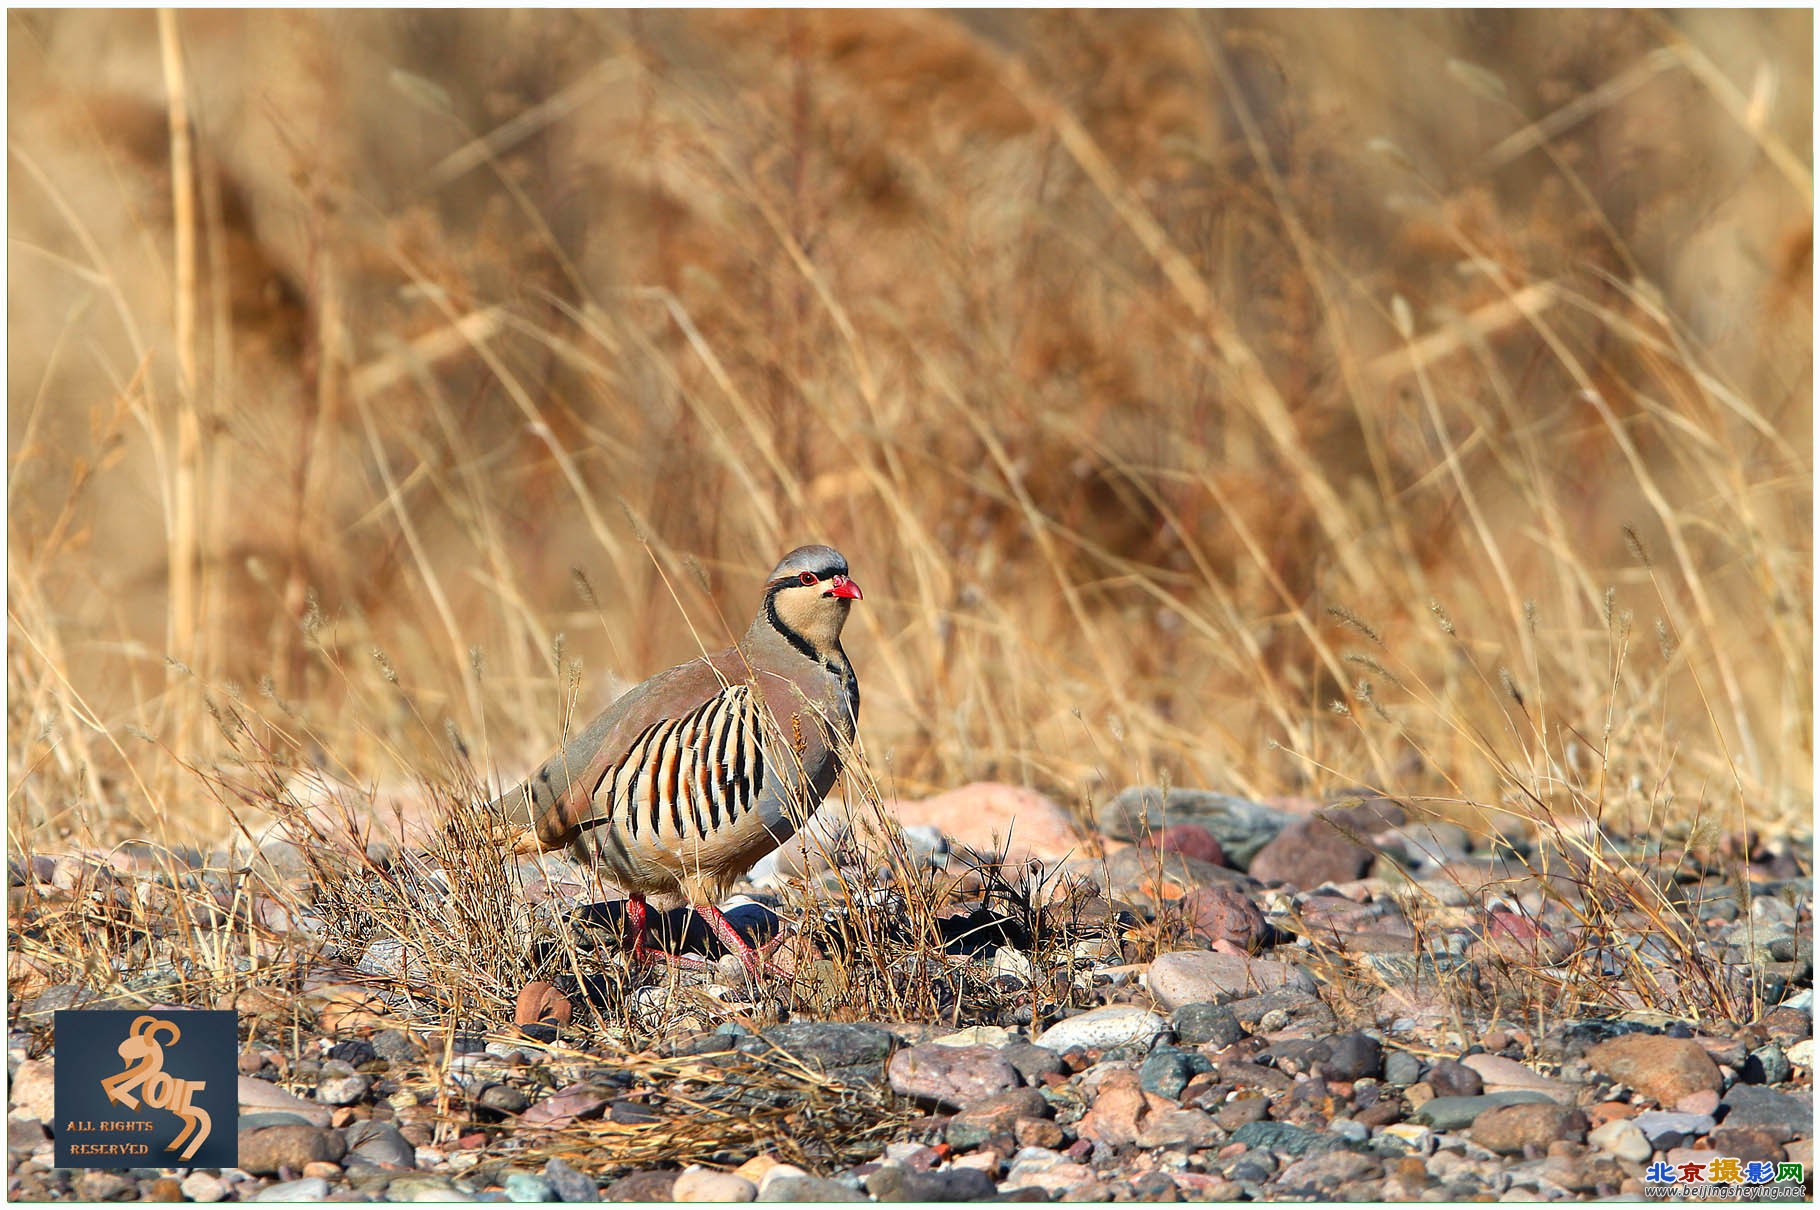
(845, 589)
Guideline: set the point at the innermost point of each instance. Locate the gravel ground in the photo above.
(1349, 1006)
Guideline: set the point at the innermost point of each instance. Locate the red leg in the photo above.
(730, 937)
(641, 935)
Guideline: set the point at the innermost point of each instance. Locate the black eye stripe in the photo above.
(791, 581)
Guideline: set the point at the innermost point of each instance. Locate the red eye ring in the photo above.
(808, 577)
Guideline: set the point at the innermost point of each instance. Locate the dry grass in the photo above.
(1192, 404)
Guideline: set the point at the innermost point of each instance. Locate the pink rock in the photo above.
(1191, 840)
(1703, 1103)
(1224, 917)
(985, 814)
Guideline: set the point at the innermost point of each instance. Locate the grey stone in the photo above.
(1666, 1130)
(1767, 1065)
(380, 1143)
(570, 1185)
(1355, 1056)
(951, 1076)
(1241, 826)
(825, 1043)
(1402, 1069)
(528, 1187)
(893, 1183)
(425, 1187)
(1206, 1024)
(1790, 1115)
(1457, 1113)
(1033, 1062)
(1281, 1136)
(310, 1189)
(1166, 1071)
(807, 1189)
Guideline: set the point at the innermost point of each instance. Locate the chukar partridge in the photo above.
(688, 779)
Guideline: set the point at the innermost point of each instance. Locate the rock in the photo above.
(1508, 1129)
(98, 1185)
(1049, 1171)
(985, 815)
(380, 1143)
(264, 1151)
(1401, 1069)
(203, 1187)
(426, 1187)
(340, 1084)
(1190, 840)
(825, 1045)
(1451, 1079)
(1788, 1115)
(570, 1185)
(503, 1098)
(309, 1189)
(1747, 1142)
(1322, 1175)
(1241, 826)
(32, 1092)
(1661, 1068)
(808, 1189)
(396, 1046)
(1355, 1056)
(1457, 1113)
(953, 1077)
(1507, 1075)
(1623, 1139)
(1104, 1028)
(1666, 1131)
(539, 1003)
(1225, 918)
(257, 1096)
(996, 1115)
(893, 1183)
(1310, 852)
(1206, 1024)
(698, 1184)
(649, 1185)
(1205, 977)
(1033, 1062)
(1165, 1071)
(573, 1103)
(528, 1187)
(1766, 1065)
(1283, 1137)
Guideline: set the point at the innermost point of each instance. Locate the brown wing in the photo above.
(559, 796)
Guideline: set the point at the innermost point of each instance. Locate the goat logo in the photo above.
(135, 1084)
(145, 1067)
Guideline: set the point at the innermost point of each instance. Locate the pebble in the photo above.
(1457, 1113)
(1662, 1068)
(380, 1143)
(529, 1187)
(32, 1092)
(808, 1189)
(1791, 1115)
(1104, 1028)
(698, 1184)
(1206, 1024)
(951, 1077)
(1311, 852)
(256, 1095)
(893, 1183)
(1449, 1078)
(570, 1185)
(1667, 1130)
(826, 1044)
(1207, 977)
(425, 1187)
(1500, 1074)
(203, 1187)
(1622, 1138)
(309, 1189)
(264, 1151)
(1401, 1069)
(994, 1116)
(1509, 1129)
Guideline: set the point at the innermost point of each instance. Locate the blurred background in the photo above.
(1278, 402)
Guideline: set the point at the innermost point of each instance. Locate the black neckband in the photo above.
(795, 639)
